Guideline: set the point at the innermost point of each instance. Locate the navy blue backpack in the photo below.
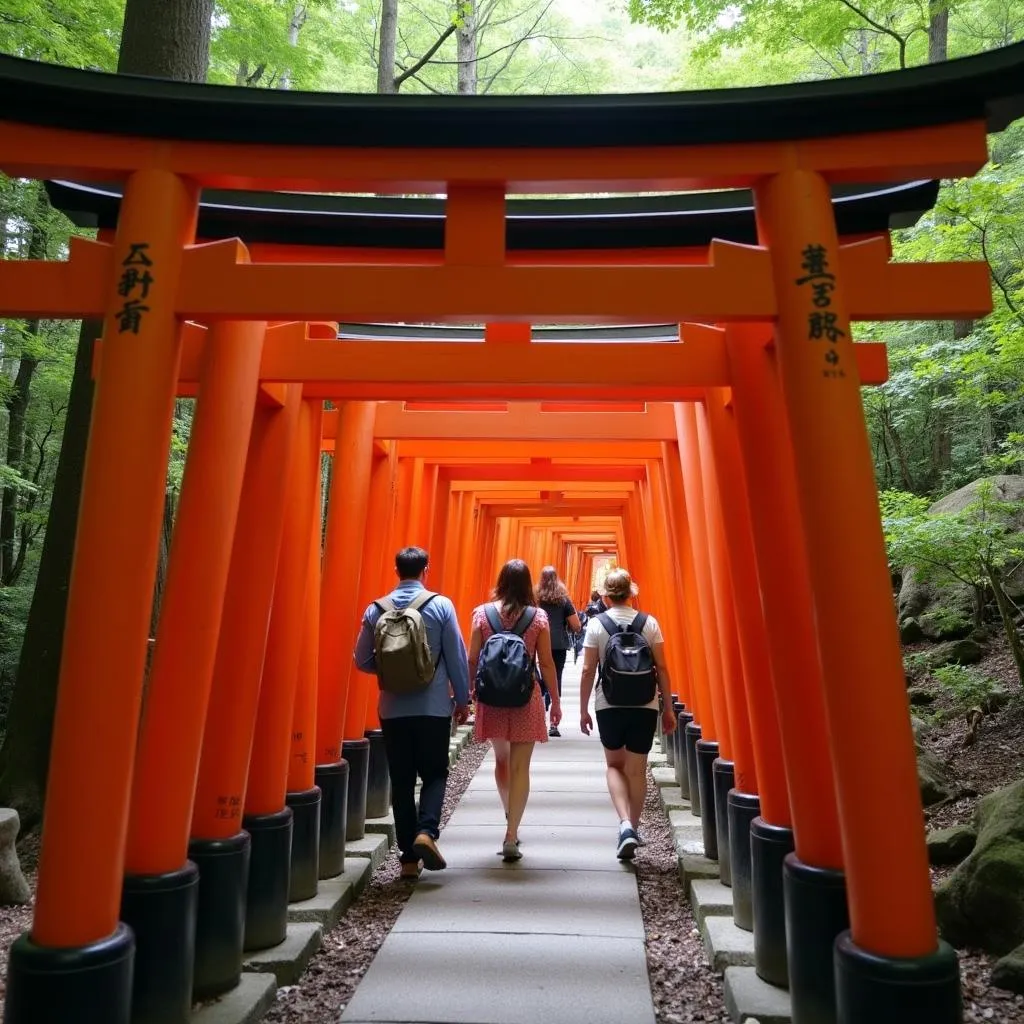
(504, 671)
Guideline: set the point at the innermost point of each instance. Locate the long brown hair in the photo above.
(550, 589)
(514, 588)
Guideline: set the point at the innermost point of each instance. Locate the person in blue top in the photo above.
(417, 726)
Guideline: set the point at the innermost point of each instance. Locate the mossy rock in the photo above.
(919, 696)
(982, 903)
(933, 778)
(911, 631)
(951, 845)
(954, 652)
(1008, 972)
(945, 624)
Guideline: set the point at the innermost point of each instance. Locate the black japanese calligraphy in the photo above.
(132, 279)
(129, 316)
(821, 325)
(816, 264)
(133, 286)
(824, 325)
(137, 255)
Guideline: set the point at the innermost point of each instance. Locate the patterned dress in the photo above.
(517, 725)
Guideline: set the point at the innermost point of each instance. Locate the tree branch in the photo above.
(879, 27)
(501, 49)
(425, 59)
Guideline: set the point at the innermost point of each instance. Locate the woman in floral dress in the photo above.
(513, 731)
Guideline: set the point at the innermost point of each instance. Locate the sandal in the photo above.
(510, 851)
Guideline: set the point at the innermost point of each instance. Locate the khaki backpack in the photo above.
(404, 663)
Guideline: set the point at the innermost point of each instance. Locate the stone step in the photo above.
(709, 898)
(664, 776)
(245, 1004)
(693, 867)
(334, 896)
(287, 960)
(727, 945)
(750, 999)
(385, 826)
(672, 799)
(684, 818)
(374, 845)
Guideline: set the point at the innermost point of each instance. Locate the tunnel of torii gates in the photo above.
(725, 462)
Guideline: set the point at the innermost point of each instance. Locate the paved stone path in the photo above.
(557, 936)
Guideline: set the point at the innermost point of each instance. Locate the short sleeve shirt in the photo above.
(558, 615)
(597, 636)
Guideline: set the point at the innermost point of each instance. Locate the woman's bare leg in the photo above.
(501, 770)
(518, 786)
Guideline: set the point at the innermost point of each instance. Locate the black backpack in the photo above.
(504, 671)
(629, 677)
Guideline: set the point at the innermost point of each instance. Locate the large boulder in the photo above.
(946, 612)
(982, 903)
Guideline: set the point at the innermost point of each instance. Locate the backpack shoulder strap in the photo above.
(385, 604)
(524, 620)
(492, 618)
(610, 625)
(638, 623)
(421, 600)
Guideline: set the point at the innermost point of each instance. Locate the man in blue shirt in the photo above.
(417, 726)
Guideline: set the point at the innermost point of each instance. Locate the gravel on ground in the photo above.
(684, 987)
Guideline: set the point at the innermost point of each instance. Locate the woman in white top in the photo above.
(626, 731)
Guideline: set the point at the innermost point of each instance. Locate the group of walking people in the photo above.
(411, 640)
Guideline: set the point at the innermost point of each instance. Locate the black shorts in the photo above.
(632, 728)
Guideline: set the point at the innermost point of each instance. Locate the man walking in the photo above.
(626, 649)
(411, 641)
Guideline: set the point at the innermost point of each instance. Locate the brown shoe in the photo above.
(426, 849)
(411, 871)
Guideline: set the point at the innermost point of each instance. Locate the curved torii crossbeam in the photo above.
(760, 490)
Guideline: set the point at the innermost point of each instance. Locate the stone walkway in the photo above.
(557, 936)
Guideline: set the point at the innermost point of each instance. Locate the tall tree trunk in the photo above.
(166, 39)
(942, 432)
(163, 558)
(1006, 616)
(161, 39)
(387, 50)
(466, 35)
(17, 409)
(25, 754)
(298, 19)
(938, 31)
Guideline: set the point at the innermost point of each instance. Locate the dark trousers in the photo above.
(559, 658)
(416, 746)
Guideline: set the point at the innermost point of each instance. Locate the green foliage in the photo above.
(82, 34)
(252, 42)
(948, 620)
(830, 38)
(955, 547)
(968, 686)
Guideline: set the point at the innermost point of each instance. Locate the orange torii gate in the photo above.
(766, 410)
